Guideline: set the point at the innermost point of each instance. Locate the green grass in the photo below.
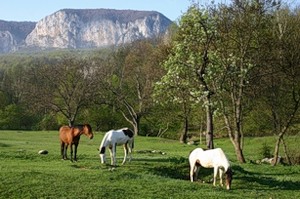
(26, 174)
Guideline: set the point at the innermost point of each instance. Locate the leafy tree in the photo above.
(240, 27)
(15, 117)
(188, 63)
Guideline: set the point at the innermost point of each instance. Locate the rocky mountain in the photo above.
(82, 28)
(13, 34)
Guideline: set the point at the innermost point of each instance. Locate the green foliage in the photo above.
(181, 82)
(15, 117)
(3, 100)
(294, 155)
(257, 123)
(102, 118)
(47, 122)
(265, 151)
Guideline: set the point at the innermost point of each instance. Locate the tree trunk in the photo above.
(235, 139)
(276, 150)
(135, 117)
(239, 151)
(183, 137)
(209, 125)
(71, 122)
(136, 125)
(283, 131)
(288, 159)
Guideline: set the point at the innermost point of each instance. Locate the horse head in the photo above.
(228, 177)
(87, 130)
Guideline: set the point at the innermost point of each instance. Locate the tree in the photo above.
(289, 55)
(279, 86)
(240, 27)
(129, 80)
(65, 86)
(188, 63)
(13, 83)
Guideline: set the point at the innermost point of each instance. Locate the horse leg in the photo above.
(62, 149)
(102, 155)
(192, 168)
(111, 155)
(221, 176)
(215, 175)
(196, 171)
(65, 151)
(130, 151)
(114, 154)
(71, 149)
(75, 152)
(125, 153)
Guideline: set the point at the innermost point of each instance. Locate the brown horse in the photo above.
(71, 136)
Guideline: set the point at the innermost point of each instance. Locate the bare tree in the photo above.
(284, 79)
(129, 80)
(65, 86)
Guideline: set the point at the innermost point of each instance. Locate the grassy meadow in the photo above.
(26, 174)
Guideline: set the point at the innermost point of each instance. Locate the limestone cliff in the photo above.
(82, 28)
(91, 28)
(13, 34)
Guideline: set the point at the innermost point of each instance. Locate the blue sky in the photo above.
(34, 10)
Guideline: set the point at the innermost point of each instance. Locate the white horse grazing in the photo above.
(113, 138)
(213, 158)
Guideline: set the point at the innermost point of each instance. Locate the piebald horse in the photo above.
(213, 158)
(113, 138)
(71, 136)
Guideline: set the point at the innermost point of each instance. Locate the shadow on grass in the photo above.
(261, 179)
(178, 168)
(4, 145)
(152, 159)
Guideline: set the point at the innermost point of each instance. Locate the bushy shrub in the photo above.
(265, 151)
(294, 157)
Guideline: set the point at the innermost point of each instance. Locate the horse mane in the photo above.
(229, 171)
(88, 126)
(81, 126)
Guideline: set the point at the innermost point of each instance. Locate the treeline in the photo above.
(224, 69)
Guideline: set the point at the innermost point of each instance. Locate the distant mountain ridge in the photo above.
(82, 28)
(13, 34)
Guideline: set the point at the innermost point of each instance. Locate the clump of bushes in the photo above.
(265, 151)
(294, 156)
